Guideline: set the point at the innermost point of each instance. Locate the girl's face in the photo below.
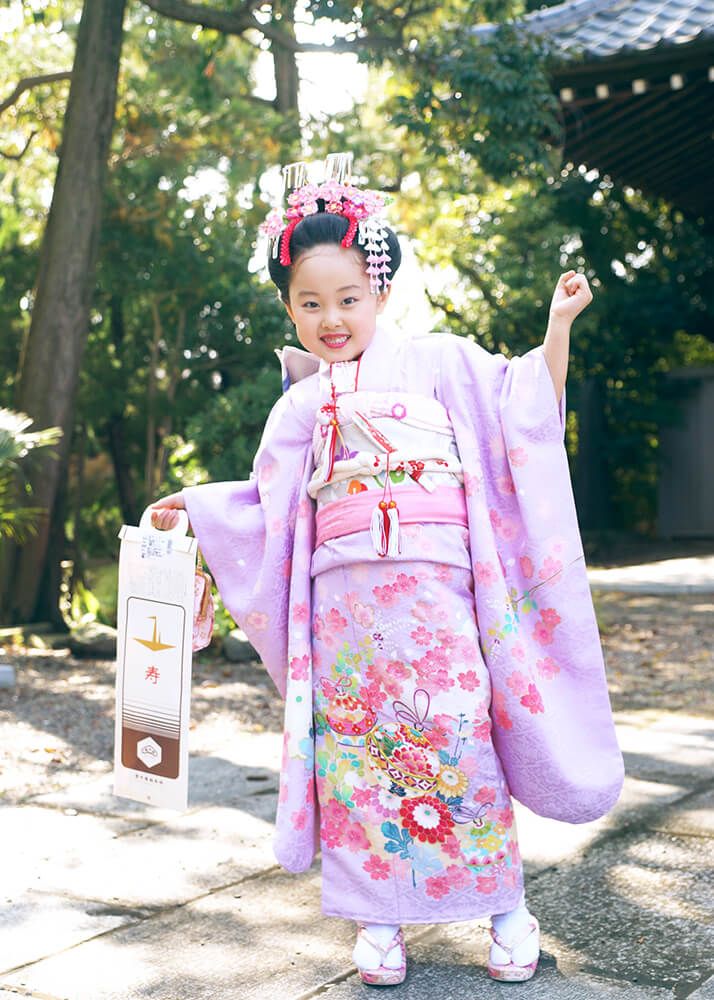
(330, 303)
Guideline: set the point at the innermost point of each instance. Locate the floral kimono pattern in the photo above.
(517, 590)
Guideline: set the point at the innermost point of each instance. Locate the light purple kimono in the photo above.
(552, 723)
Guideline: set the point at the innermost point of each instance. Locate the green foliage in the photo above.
(179, 373)
(650, 270)
(227, 431)
(17, 520)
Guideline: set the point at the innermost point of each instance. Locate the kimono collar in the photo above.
(375, 365)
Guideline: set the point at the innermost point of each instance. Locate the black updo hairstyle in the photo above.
(317, 230)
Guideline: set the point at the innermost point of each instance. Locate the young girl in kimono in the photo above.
(406, 560)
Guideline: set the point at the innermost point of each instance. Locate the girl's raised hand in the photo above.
(572, 294)
(163, 511)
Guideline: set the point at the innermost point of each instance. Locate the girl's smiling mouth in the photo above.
(335, 341)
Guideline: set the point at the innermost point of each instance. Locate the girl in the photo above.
(406, 560)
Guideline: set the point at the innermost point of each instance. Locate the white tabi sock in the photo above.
(513, 926)
(367, 957)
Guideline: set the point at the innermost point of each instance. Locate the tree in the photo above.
(60, 318)
(52, 352)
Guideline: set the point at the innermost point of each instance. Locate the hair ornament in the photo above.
(336, 195)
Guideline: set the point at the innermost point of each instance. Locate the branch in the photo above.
(234, 22)
(19, 156)
(28, 82)
(237, 22)
(477, 279)
(448, 308)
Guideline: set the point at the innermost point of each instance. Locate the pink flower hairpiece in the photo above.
(361, 208)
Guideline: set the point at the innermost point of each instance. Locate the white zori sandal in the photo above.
(513, 971)
(384, 975)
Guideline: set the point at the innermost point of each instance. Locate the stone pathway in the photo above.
(104, 899)
(694, 574)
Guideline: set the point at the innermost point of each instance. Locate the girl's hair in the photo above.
(317, 230)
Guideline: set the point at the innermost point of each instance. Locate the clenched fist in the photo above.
(572, 294)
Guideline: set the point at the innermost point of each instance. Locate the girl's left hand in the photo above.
(572, 294)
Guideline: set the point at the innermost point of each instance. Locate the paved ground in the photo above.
(103, 899)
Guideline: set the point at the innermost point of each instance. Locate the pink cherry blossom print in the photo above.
(517, 683)
(500, 715)
(518, 456)
(437, 886)
(386, 596)
(446, 637)
(547, 667)
(299, 819)
(505, 486)
(485, 574)
(335, 621)
(299, 667)
(472, 484)
(518, 652)
(486, 884)
(376, 868)
(551, 569)
(458, 877)
(465, 650)
(355, 839)
(375, 695)
(421, 636)
(527, 567)
(542, 634)
(362, 797)
(532, 700)
(440, 737)
(403, 739)
(551, 617)
(482, 731)
(257, 620)
(486, 794)
(406, 584)
(469, 680)
(422, 611)
(507, 529)
(301, 613)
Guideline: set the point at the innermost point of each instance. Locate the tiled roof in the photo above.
(604, 28)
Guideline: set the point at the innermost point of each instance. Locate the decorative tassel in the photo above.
(384, 529)
(378, 530)
(393, 541)
(328, 463)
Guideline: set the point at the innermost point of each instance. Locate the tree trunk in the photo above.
(592, 476)
(52, 353)
(47, 607)
(114, 428)
(287, 79)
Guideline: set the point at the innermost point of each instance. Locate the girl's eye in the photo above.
(309, 305)
(349, 300)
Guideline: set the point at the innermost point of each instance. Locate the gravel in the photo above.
(57, 723)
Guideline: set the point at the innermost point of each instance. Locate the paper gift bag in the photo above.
(155, 613)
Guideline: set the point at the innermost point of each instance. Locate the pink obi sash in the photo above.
(446, 505)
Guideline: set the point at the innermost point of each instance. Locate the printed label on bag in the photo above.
(153, 546)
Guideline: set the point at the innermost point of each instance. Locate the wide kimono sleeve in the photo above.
(551, 717)
(246, 531)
